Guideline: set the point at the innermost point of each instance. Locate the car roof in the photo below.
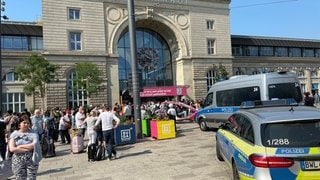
(281, 113)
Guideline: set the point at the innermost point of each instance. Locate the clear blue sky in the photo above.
(274, 18)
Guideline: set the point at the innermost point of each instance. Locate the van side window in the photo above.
(234, 97)
(209, 99)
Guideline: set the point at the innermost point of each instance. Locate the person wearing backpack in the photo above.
(49, 124)
(47, 143)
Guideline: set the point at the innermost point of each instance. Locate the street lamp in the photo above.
(2, 3)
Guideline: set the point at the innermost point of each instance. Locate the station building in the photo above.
(179, 42)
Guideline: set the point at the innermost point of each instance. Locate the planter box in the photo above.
(162, 129)
(146, 127)
(125, 134)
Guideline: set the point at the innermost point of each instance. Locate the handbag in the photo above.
(67, 126)
(97, 127)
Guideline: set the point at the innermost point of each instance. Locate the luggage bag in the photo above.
(92, 150)
(100, 155)
(77, 144)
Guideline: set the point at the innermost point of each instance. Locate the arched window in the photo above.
(153, 59)
(77, 96)
(10, 77)
(211, 78)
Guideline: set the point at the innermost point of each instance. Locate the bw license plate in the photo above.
(310, 165)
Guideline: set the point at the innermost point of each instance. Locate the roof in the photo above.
(21, 29)
(273, 41)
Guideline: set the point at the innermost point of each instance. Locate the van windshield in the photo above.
(285, 91)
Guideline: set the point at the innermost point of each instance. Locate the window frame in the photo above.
(210, 24)
(74, 14)
(211, 46)
(74, 42)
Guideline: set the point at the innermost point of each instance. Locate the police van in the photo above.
(225, 97)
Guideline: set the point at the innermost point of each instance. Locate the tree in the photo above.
(221, 72)
(37, 72)
(87, 76)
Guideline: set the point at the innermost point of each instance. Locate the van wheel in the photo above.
(235, 172)
(203, 125)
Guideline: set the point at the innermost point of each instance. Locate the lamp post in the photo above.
(134, 67)
(2, 3)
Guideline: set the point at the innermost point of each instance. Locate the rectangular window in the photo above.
(266, 51)
(13, 101)
(37, 43)
(315, 86)
(74, 14)
(16, 43)
(75, 41)
(317, 52)
(295, 52)
(252, 51)
(303, 87)
(236, 51)
(211, 46)
(308, 52)
(281, 51)
(210, 24)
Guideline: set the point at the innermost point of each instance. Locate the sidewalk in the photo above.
(191, 155)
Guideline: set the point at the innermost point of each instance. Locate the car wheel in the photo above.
(218, 152)
(235, 172)
(203, 125)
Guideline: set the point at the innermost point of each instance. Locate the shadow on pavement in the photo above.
(54, 171)
(136, 153)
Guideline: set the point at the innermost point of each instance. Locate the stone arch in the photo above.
(160, 24)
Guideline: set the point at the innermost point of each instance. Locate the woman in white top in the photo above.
(91, 121)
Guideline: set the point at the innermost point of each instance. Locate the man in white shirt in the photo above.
(106, 118)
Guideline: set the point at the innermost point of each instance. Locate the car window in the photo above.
(291, 134)
(233, 125)
(245, 130)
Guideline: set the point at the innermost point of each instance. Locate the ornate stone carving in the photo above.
(149, 12)
(113, 15)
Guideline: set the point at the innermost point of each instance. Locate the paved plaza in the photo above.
(191, 155)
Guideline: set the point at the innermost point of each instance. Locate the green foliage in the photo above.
(221, 72)
(37, 72)
(87, 76)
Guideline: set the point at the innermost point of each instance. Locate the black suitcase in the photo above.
(100, 155)
(92, 150)
(47, 146)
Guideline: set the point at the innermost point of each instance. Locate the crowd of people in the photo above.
(23, 135)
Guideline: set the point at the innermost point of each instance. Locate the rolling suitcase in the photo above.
(47, 146)
(92, 150)
(77, 144)
(100, 155)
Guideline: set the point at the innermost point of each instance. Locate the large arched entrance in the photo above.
(153, 57)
